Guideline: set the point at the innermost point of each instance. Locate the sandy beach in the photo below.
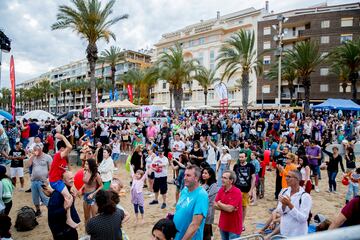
(328, 204)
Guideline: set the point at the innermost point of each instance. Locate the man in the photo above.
(247, 151)
(4, 148)
(349, 215)
(245, 174)
(294, 207)
(13, 134)
(280, 164)
(40, 163)
(25, 133)
(229, 202)
(192, 207)
(160, 166)
(57, 214)
(17, 157)
(178, 147)
(34, 130)
(313, 154)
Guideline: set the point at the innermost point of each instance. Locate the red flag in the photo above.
(12, 80)
(130, 93)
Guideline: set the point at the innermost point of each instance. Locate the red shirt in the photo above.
(50, 141)
(352, 212)
(56, 169)
(230, 221)
(25, 133)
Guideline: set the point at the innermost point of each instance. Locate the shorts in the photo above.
(16, 172)
(151, 175)
(315, 169)
(88, 201)
(115, 156)
(106, 185)
(58, 185)
(245, 199)
(160, 184)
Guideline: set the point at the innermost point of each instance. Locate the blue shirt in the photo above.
(190, 204)
(256, 164)
(273, 148)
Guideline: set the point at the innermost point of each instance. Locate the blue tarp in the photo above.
(338, 104)
(6, 115)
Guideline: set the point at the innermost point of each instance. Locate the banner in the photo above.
(12, 81)
(130, 92)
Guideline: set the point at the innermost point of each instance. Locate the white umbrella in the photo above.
(38, 114)
(206, 107)
(191, 108)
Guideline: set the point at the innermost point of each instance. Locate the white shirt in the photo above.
(224, 158)
(294, 222)
(161, 161)
(180, 147)
(211, 158)
(105, 169)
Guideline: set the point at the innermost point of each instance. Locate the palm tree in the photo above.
(349, 54)
(44, 86)
(89, 20)
(342, 72)
(83, 87)
(238, 54)
(176, 71)
(288, 73)
(112, 57)
(305, 57)
(64, 86)
(206, 78)
(5, 98)
(21, 99)
(74, 87)
(55, 91)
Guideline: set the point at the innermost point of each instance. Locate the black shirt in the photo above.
(197, 153)
(17, 153)
(243, 176)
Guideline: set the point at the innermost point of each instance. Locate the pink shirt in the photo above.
(151, 132)
(138, 184)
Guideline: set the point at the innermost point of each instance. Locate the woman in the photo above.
(349, 158)
(107, 224)
(208, 182)
(164, 229)
(151, 175)
(106, 168)
(333, 166)
(7, 190)
(137, 158)
(223, 164)
(289, 166)
(197, 154)
(125, 137)
(92, 185)
(305, 174)
(181, 166)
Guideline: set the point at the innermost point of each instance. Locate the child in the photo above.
(115, 144)
(137, 195)
(58, 167)
(255, 162)
(353, 187)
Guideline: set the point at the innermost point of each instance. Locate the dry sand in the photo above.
(328, 204)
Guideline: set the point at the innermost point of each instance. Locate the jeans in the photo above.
(137, 207)
(25, 142)
(37, 193)
(223, 168)
(353, 189)
(228, 235)
(213, 166)
(332, 180)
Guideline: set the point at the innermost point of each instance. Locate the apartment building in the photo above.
(80, 70)
(330, 26)
(202, 41)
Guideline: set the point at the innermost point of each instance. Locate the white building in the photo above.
(202, 41)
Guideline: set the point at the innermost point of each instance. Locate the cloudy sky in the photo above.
(37, 49)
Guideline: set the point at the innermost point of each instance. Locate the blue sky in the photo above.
(37, 49)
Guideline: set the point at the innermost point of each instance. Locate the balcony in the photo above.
(292, 36)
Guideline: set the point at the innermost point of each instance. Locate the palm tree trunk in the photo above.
(83, 93)
(291, 89)
(74, 100)
(205, 93)
(92, 51)
(56, 104)
(113, 85)
(353, 78)
(171, 97)
(178, 96)
(245, 88)
(64, 102)
(307, 84)
(344, 86)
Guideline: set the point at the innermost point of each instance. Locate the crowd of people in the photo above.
(217, 162)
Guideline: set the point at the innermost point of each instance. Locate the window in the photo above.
(212, 59)
(324, 87)
(345, 37)
(347, 88)
(267, 60)
(164, 85)
(346, 22)
(325, 24)
(201, 58)
(193, 43)
(266, 89)
(267, 45)
(324, 54)
(325, 39)
(324, 71)
(267, 30)
(200, 96)
(231, 94)
(187, 97)
(211, 95)
(201, 40)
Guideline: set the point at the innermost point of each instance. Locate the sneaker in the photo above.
(317, 189)
(328, 191)
(29, 190)
(21, 190)
(163, 205)
(38, 213)
(151, 195)
(335, 192)
(153, 202)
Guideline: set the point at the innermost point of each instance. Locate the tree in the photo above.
(21, 99)
(5, 99)
(44, 86)
(64, 86)
(112, 57)
(55, 91)
(74, 87)
(305, 57)
(83, 86)
(176, 71)
(238, 54)
(342, 72)
(348, 54)
(206, 78)
(288, 73)
(89, 20)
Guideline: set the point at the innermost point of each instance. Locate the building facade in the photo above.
(80, 70)
(202, 41)
(329, 26)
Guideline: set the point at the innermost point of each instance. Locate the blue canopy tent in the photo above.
(6, 115)
(338, 104)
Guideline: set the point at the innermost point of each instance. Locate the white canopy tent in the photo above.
(38, 114)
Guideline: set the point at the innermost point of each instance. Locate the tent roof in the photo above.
(338, 104)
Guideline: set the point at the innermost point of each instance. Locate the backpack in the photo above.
(25, 219)
(300, 200)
